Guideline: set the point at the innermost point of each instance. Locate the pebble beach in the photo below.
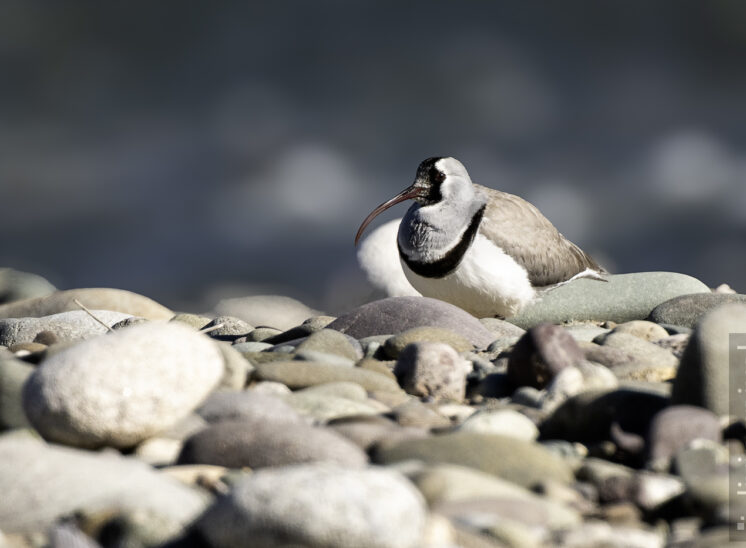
(599, 416)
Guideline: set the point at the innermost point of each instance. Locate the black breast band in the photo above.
(450, 261)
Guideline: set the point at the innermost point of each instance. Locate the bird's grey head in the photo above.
(438, 179)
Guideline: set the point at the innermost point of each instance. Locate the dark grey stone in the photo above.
(258, 443)
(225, 405)
(541, 354)
(686, 310)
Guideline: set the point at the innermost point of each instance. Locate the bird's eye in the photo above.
(437, 176)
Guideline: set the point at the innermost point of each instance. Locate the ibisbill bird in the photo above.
(486, 251)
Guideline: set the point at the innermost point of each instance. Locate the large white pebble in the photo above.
(119, 389)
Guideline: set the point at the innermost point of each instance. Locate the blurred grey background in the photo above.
(193, 150)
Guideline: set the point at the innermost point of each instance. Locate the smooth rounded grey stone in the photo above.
(623, 298)
(649, 361)
(251, 346)
(395, 345)
(236, 368)
(13, 375)
(643, 329)
(122, 388)
(225, 405)
(501, 328)
(541, 354)
(41, 483)
(676, 427)
(323, 408)
(397, 314)
(330, 341)
(686, 310)
(261, 333)
(703, 376)
(66, 326)
(347, 390)
(506, 422)
(230, 328)
(432, 370)
(16, 285)
(318, 506)
(275, 311)
(300, 374)
(368, 431)
(510, 458)
(117, 300)
(323, 357)
(258, 443)
(193, 320)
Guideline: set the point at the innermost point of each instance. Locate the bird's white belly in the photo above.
(488, 282)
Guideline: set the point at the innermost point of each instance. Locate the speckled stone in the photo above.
(394, 345)
(686, 310)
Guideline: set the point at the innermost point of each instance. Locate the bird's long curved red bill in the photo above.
(406, 194)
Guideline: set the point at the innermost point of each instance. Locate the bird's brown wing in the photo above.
(520, 229)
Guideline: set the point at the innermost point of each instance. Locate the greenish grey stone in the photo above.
(394, 345)
(323, 408)
(506, 422)
(686, 310)
(299, 374)
(256, 358)
(329, 341)
(643, 329)
(318, 323)
(513, 459)
(323, 357)
(501, 328)
(13, 373)
(348, 390)
(193, 320)
(261, 333)
(251, 346)
(623, 298)
(703, 377)
(449, 483)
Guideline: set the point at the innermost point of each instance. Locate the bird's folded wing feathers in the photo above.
(549, 258)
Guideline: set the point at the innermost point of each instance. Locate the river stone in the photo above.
(368, 431)
(686, 310)
(703, 376)
(275, 311)
(13, 374)
(236, 368)
(258, 443)
(506, 422)
(66, 326)
(117, 300)
(193, 320)
(541, 354)
(41, 483)
(318, 506)
(649, 361)
(329, 341)
(397, 314)
(323, 407)
(623, 298)
(16, 285)
(432, 370)
(394, 345)
(223, 405)
(122, 388)
(230, 329)
(589, 416)
(299, 374)
(501, 328)
(643, 329)
(510, 458)
(591, 534)
(675, 428)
